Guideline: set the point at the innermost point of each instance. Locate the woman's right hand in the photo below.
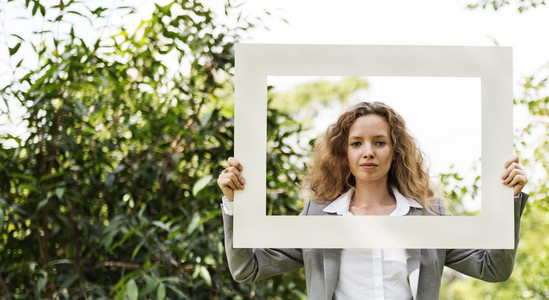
(231, 179)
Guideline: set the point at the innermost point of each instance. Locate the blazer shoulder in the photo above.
(314, 207)
(438, 208)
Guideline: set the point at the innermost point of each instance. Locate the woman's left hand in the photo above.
(514, 175)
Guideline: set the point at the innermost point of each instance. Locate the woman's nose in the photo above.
(367, 152)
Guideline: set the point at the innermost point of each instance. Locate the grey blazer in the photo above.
(425, 266)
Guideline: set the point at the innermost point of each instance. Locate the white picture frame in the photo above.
(494, 228)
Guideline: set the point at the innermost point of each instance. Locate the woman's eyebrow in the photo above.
(356, 137)
(381, 136)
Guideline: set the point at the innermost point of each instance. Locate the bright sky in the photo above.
(403, 22)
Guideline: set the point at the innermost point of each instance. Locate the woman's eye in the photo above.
(355, 144)
(380, 143)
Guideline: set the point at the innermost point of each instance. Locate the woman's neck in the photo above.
(372, 199)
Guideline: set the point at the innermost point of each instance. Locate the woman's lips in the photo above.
(368, 165)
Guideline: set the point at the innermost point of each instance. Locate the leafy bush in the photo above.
(111, 194)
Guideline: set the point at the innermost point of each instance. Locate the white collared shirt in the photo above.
(372, 273)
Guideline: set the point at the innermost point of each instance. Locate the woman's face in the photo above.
(369, 149)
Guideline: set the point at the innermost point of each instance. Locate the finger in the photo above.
(233, 162)
(228, 183)
(236, 181)
(234, 176)
(222, 182)
(518, 180)
(233, 170)
(512, 159)
(517, 176)
(232, 184)
(514, 173)
(510, 168)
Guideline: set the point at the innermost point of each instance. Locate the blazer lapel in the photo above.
(413, 260)
(332, 260)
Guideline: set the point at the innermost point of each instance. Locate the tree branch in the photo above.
(5, 287)
(119, 264)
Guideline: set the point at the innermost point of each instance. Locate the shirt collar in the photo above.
(341, 204)
(403, 204)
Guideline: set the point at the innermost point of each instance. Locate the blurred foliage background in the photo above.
(110, 191)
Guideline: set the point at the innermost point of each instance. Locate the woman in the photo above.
(368, 164)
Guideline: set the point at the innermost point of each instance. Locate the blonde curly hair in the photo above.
(328, 175)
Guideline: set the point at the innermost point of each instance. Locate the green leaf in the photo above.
(201, 183)
(59, 192)
(161, 292)
(26, 186)
(179, 293)
(125, 237)
(136, 250)
(205, 274)
(24, 176)
(193, 223)
(50, 176)
(107, 241)
(14, 49)
(41, 204)
(63, 261)
(40, 285)
(1, 219)
(74, 12)
(49, 73)
(110, 180)
(206, 119)
(35, 8)
(161, 225)
(71, 278)
(151, 285)
(131, 290)
(17, 36)
(174, 233)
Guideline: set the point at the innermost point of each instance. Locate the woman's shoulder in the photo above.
(314, 207)
(437, 208)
